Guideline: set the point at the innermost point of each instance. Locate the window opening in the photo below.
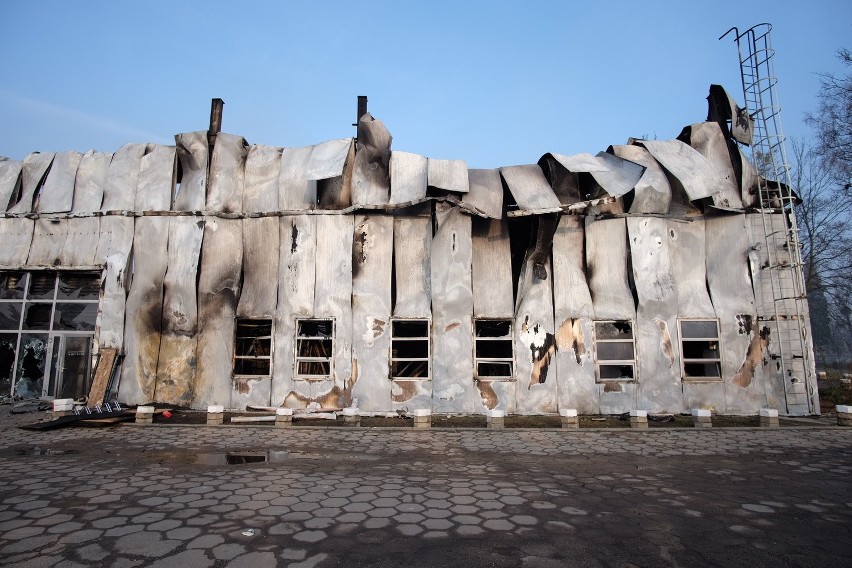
(410, 349)
(253, 348)
(699, 340)
(314, 348)
(494, 349)
(615, 351)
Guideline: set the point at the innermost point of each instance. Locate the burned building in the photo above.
(234, 274)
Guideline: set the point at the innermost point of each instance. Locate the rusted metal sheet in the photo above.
(156, 179)
(90, 182)
(707, 138)
(449, 175)
(10, 180)
(263, 166)
(412, 246)
(192, 151)
(689, 265)
(48, 241)
(227, 174)
(33, 170)
(371, 175)
(333, 299)
(408, 173)
(372, 258)
(652, 193)
(123, 178)
(259, 295)
(145, 305)
(77, 250)
(740, 336)
(722, 108)
(485, 192)
(57, 194)
(218, 291)
(530, 189)
(655, 333)
(693, 172)
(110, 324)
(492, 269)
(606, 259)
(573, 312)
(452, 307)
(296, 280)
(535, 345)
(178, 342)
(16, 234)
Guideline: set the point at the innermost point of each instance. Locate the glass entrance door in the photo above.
(70, 372)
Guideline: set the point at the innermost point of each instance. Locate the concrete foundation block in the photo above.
(569, 418)
(702, 418)
(144, 414)
(769, 418)
(422, 418)
(639, 419)
(215, 415)
(351, 416)
(846, 384)
(496, 419)
(283, 417)
(63, 407)
(844, 415)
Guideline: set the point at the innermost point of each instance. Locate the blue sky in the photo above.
(495, 83)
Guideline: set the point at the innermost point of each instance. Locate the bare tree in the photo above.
(832, 122)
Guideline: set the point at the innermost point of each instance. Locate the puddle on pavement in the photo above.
(39, 451)
(239, 458)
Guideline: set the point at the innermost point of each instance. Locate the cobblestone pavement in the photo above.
(149, 496)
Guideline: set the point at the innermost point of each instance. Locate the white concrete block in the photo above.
(63, 404)
(843, 409)
(421, 412)
(496, 413)
(639, 414)
(215, 409)
(701, 412)
(284, 412)
(568, 412)
(350, 412)
(769, 412)
(144, 410)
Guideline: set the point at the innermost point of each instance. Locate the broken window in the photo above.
(699, 341)
(314, 348)
(410, 348)
(47, 324)
(615, 352)
(253, 348)
(494, 349)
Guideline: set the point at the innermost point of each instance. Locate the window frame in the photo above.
(510, 337)
(269, 357)
(703, 361)
(308, 359)
(427, 359)
(615, 362)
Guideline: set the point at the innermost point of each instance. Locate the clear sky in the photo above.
(495, 83)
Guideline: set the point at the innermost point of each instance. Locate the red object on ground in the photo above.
(167, 414)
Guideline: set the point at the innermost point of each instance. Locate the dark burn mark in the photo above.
(359, 247)
(541, 356)
(744, 324)
(294, 239)
(451, 326)
(612, 386)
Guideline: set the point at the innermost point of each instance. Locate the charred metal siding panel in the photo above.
(259, 295)
(77, 250)
(115, 237)
(707, 138)
(57, 195)
(263, 166)
(218, 292)
(449, 175)
(452, 307)
(690, 269)
(90, 182)
(178, 343)
(412, 250)
(192, 151)
(123, 178)
(371, 310)
(156, 179)
(371, 175)
(492, 269)
(48, 241)
(485, 192)
(110, 323)
(656, 335)
(408, 178)
(535, 345)
(296, 191)
(530, 189)
(652, 193)
(10, 179)
(296, 280)
(145, 305)
(17, 235)
(741, 347)
(227, 174)
(574, 312)
(33, 170)
(692, 170)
